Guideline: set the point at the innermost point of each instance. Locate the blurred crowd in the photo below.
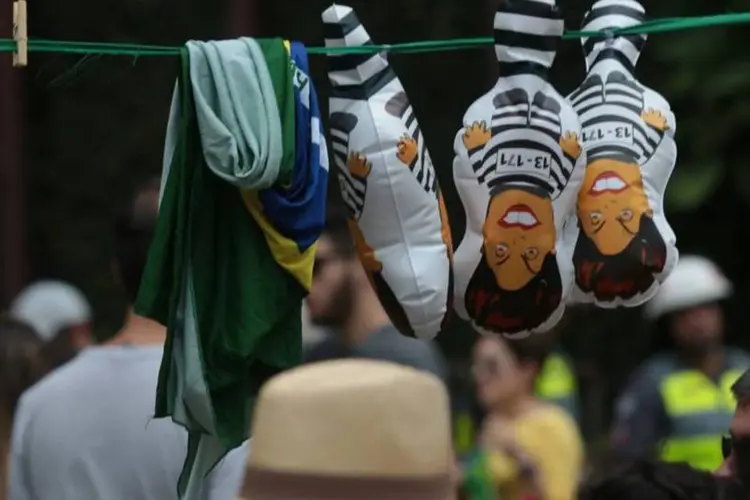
(76, 415)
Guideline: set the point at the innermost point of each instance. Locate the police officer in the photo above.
(679, 403)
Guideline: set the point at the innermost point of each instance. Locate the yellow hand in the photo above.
(476, 135)
(655, 119)
(570, 145)
(358, 165)
(407, 150)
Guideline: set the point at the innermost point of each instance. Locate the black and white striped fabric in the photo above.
(524, 129)
(353, 189)
(352, 76)
(611, 14)
(526, 35)
(422, 168)
(610, 108)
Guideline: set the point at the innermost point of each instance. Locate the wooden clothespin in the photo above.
(20, 34)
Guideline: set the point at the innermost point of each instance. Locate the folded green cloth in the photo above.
(233, 314)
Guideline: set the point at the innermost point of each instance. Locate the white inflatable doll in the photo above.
(518, 167)
(625, 247)
(387, 180)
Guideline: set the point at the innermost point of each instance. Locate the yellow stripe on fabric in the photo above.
(285, 251)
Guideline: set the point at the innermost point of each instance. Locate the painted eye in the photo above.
(595, 217)
(626, 215)
(501, 250)
(531, 253)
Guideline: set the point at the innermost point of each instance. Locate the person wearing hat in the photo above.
(679, 403)
(61, 316)
(351, 429)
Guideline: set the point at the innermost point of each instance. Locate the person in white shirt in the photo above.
(86, 431)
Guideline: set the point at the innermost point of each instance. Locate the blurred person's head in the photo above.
(134, 229)
(697, 328)
(340, 294)
(351, 429)
(61, 316)
(654, 480)
(504, 369)
(687, 304)
(21, 365)
(736, 446)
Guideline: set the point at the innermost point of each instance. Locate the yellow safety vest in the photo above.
(556, 382)
(699, 412)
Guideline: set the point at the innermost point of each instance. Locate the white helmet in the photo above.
(694, 281)
(51, 306)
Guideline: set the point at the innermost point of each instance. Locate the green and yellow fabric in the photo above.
(243, 204)
(477, 480)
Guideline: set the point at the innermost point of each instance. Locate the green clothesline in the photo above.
(128, 49)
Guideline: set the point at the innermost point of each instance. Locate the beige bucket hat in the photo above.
(351, 429)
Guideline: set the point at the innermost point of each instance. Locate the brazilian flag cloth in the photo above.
(242, 206)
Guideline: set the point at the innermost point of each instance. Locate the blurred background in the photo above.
(78, 132)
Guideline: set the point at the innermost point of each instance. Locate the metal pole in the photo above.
(13, 261)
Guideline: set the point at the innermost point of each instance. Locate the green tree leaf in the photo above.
(689, 187)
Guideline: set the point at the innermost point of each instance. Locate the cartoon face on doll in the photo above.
(612, 203)
(620, 248)
(519, 233)
(516, 285)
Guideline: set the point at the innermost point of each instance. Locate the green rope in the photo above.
(131, 49)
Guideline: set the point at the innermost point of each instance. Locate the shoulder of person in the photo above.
(60, 380)
(326, 349)
(549, 428)
(655, 368)
(424, 355)
(550, 417)
(737, 359)
(643, 391)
